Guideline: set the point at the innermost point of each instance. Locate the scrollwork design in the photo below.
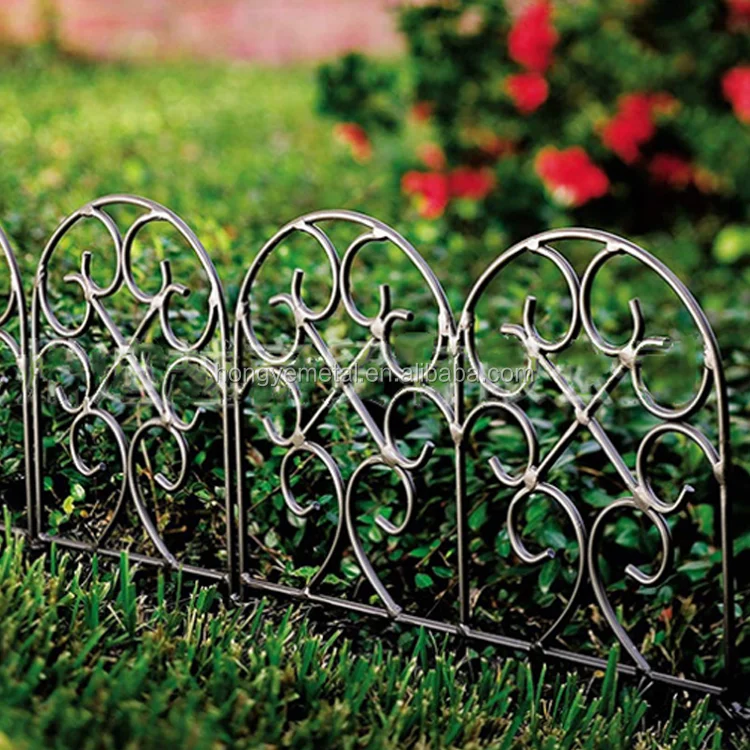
(628, 359)
(380, 330)
(386, 525)
(529, 483)
(454, 342)
(458, 342)
(159, 396)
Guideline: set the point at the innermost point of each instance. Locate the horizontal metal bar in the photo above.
(136, 557)
(472, 635)
(17, 530)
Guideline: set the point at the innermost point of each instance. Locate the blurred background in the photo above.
(275, 32)
(468, 125)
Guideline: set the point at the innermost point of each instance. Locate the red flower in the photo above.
(631, 127)
(618, 137)
(432, 156)
(571, 177)
(356, 138)
(474, 184)
(633, 124)
(671, 169)
(421, 111)
(431, 189)
(736, 88)
(527, 90)
(435, 189)
(637, 108)
(533, 37)
(739, 14)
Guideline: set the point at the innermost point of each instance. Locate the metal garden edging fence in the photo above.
(32, 335)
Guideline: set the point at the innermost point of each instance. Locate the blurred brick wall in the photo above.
(273, 31)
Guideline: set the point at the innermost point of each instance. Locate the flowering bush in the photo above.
(356, 138)
(570, 176)
(736, 87)
(634, 116)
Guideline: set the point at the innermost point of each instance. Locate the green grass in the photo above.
(89, 661)
(235, 151)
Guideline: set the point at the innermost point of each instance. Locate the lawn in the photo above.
(235, 151)
(92, 659)
(88, 660)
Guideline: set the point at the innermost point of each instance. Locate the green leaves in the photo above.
(732, 243)
(478, 517)
(423, 580)
(355, 89)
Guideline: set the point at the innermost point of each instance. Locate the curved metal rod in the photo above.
(427, 449)
(389, 528)
(91, 290)
(629, 360)
(628, 353)
(168, 485)
(380, 330)
(80, 354)
(18, 344)
(381, 326)
(528, 476)
(302, 512)
(297, 436)
(87, 471)
(646, 448)
(157, 305)
(300, 310)
(166, 389)
(123, 271)
(645, 579)
(341, 287)
(713, 375)
(533, 342)
(15, 292)
(530, 558)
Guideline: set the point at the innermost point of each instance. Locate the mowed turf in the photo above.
(87, 660)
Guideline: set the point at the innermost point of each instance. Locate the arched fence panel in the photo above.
(524, 468)
(700, 420)
(371, 337)
(128, 402)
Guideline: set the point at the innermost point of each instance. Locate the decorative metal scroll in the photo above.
(152, 310)
(627, 363)
(455, 339)
(455, 343)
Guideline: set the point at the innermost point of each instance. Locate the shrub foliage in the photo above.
(627, 115)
